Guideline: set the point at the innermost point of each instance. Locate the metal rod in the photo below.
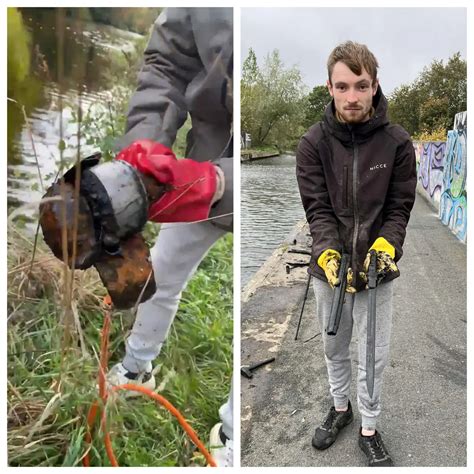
(302, 306)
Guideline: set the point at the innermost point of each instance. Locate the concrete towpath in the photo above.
(423, 420)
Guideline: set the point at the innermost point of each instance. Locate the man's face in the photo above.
(352, 94)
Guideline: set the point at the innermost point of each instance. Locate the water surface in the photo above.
(271, 206)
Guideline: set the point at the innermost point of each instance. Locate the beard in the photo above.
(356, 114)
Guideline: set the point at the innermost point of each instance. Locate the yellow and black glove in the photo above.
(330, 261)
(385, 263)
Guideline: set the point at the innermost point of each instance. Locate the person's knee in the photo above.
(334, 352)
(167, 294)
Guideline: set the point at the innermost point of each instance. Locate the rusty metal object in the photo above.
(154, 189)
(52, 223)
(117, 197)
(126, 275)
(113, 207)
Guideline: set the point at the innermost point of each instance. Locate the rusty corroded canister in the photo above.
(113, 208)
(57, 220)
(129, 276)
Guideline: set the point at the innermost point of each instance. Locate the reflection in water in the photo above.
(271, 206)
(90, 51)
(23, 177)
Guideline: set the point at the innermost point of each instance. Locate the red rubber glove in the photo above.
(193, 184)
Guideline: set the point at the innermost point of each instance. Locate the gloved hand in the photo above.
(385, 255)
(191, 186)
(330, 261)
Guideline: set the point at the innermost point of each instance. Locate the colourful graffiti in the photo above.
(453, 201)
(430, 159)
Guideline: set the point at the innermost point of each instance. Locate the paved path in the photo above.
(423, 421)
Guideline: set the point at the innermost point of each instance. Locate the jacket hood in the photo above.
(362, 131)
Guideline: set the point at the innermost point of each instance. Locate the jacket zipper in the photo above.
(345, 204)
(355, 163)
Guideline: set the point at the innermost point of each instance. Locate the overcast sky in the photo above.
(404, 40)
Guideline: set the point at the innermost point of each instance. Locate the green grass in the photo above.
(261, 150)
(195, 365)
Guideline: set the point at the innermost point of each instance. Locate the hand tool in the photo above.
(371, 320)
(247, 371)
(339, 296)
(303, 304)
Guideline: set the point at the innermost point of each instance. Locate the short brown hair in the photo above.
(356, 57)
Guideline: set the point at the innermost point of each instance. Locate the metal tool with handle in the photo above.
(371, 323)
(247, 371)
(339, 296)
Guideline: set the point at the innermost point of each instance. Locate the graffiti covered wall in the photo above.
(430, 160)
(453, 202)
(442, 172)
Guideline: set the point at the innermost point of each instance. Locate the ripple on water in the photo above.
(271, 206)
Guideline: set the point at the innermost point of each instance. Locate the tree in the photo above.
(271, 105)
(431, 101)
(250, 72)
(404, 107)
(316, 103)
(445, 89)
(251, 92)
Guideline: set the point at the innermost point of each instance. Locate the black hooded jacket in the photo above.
(357, 183)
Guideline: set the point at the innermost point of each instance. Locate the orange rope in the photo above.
(104, 346)
(166, 404)
(94, 409)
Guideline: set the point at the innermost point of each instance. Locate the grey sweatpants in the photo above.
(178, 251)
(337, 352)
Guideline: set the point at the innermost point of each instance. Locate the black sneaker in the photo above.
(327, 433)
(375, 450)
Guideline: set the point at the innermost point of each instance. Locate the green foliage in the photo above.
(251, 92)
(317, 100)
(23, 87)
(431, 101)
(18, 40)
(250, 72)
(104, 122)
(179, 146)
(195, 366)
(272, 99)
(436, 135)
(135, 19)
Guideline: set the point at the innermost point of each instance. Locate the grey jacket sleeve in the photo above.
(225, 206)
(158, 108)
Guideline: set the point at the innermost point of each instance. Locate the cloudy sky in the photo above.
(404, 40)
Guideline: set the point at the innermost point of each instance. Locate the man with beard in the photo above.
(357, 177)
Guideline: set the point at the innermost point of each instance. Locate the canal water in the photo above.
(91, 52)
(271, 206)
